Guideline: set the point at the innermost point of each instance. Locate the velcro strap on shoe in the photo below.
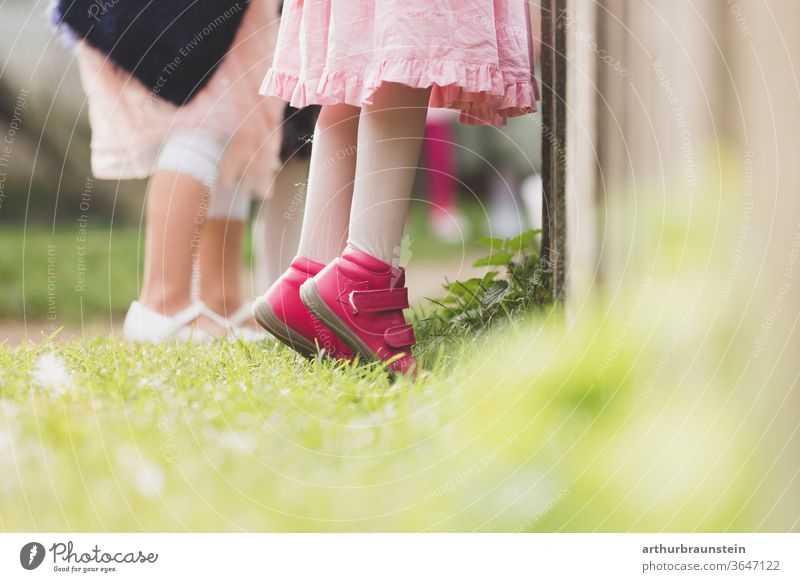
(400, 337)
(379, 300)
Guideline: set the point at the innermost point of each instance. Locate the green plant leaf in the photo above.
(472, 286)
(480, 302)
(466, 288)
(448, 299)
(497, 259)
(521, 241)
(496, 244)
(495, 293)
(489, 277)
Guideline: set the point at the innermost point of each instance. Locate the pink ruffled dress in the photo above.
(475, 54)
(130, 124)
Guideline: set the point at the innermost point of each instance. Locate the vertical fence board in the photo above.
(559, 160)
(554, 88)
(548, 116)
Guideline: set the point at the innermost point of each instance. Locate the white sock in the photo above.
(330, 184)
(390, 137)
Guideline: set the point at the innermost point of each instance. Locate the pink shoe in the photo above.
(361, 299)
(281, 313)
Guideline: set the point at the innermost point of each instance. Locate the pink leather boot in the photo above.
(281, 312)
(361, 299)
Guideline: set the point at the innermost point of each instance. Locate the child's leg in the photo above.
(330, 183)
(220, 256)
(389, 140)
(371, 322)
(219, 264)
(324, 232)
(193, 225)
(174, 219)
(277, 231)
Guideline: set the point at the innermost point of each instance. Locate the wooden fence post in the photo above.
(554, 90)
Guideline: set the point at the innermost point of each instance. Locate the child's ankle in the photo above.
(165, 305)
(224, 306)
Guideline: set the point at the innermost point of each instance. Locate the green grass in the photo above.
(538, 426)
(69, 274)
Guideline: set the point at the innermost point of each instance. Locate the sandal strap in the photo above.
(379, 300)
(234, 321)
(212, 315)
(401, 336)
(181, 325)
(241, 315)
(184, 317)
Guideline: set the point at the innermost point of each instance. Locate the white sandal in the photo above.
(234, 325)
(143, 325)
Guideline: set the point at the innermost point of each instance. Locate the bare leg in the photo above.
(277, 232)
(330, 183)
(221, 265)
(176, 207)
(390, 137)
(175, 212)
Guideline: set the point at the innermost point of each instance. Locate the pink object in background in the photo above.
(438, 151)
(440, 159)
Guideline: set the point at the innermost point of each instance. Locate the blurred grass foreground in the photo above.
(651, 409)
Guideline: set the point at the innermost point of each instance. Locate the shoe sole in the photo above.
(311, 299)
(267, 319)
